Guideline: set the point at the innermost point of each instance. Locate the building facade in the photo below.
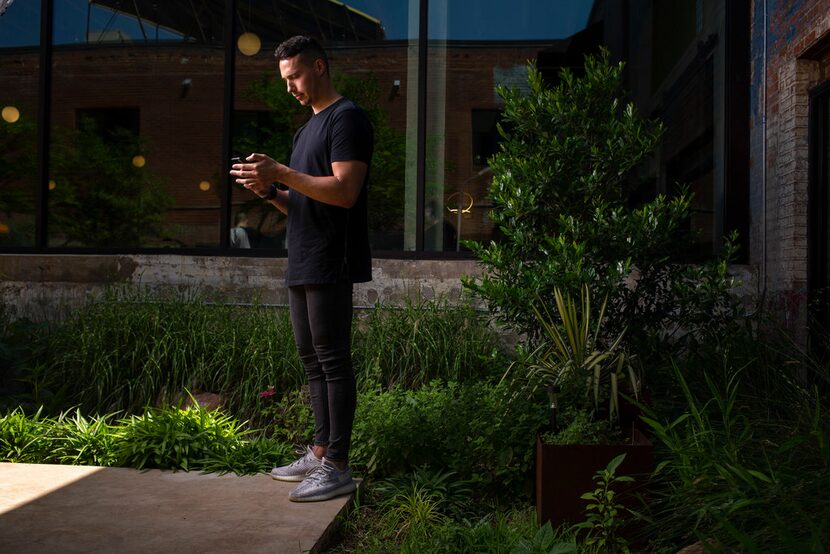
(120, 118)
(789, 155)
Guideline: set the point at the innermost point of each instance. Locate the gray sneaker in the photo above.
(298, 469)
(324, 482)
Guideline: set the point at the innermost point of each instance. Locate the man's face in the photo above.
(301, 78)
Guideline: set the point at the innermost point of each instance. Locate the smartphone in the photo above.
(238, 160)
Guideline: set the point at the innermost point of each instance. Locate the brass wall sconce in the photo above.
(467, 200)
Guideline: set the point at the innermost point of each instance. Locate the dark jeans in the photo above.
(321, 316)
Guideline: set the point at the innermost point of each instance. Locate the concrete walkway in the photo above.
(53, 508)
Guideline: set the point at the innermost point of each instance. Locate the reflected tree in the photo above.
(18, 180)
(100, 197)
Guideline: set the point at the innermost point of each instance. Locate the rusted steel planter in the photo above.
(565, 472)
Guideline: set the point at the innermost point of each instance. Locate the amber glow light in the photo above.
(139, 161)
(52, 185)
(249, 44)
(11, 114)
(204, 185)
(4, 229)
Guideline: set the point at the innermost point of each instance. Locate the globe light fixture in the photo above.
(139, 161)
(204, 186)
(10, 114)
(4, 5)
(52, 184)
(249, 44)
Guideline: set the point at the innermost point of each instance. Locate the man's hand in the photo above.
(340, 189)
(257, 173)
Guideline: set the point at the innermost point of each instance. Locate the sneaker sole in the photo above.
(344, 489)
(288, 478)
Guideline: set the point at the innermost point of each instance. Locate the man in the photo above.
(328, 251)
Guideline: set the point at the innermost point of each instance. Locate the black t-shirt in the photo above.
(328, 244)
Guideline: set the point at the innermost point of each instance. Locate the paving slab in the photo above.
(55, 508)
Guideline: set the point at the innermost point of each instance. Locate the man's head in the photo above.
(307, 48)
(304, 66)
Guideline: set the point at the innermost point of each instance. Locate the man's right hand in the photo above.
(257, 172)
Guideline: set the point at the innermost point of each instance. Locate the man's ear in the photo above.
(320, 66)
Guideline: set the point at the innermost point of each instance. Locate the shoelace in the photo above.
(318, 473)
(303, 455)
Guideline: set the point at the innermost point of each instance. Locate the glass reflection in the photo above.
(674, 68)
(19, 75)
(371, 57)
(136, 124)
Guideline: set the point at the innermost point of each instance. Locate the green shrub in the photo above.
(289, 419)
(580, 428)
(560, 189)
(477, 430)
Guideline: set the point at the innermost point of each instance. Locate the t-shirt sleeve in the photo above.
(351, 137)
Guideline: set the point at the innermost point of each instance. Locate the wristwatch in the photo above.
(272, 192)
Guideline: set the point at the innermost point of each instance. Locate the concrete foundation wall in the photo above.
(48, 287)
(45, 287)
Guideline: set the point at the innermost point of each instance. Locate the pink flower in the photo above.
(268, 393)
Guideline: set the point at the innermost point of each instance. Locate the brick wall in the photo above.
(779, 149)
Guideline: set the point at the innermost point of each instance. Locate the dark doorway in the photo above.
(819, 209)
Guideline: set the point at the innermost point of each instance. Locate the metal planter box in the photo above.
(566, 472)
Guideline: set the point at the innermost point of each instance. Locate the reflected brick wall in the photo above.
(181, 126)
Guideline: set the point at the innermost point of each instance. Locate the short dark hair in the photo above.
(302, 45)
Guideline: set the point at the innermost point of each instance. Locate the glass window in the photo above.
(138, 102)
(674, 68)
(372, 50)
(473, 47)
(19, 73)
(137, 96)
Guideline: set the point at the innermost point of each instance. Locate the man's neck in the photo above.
(327, 99)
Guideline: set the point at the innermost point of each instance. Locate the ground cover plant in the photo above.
(192, 438)
(744, 448)
(427, 370)
(478, 430)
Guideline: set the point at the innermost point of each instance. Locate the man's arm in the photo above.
(281, 201)
(341, 189)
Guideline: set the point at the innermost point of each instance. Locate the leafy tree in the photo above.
(560, 189)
